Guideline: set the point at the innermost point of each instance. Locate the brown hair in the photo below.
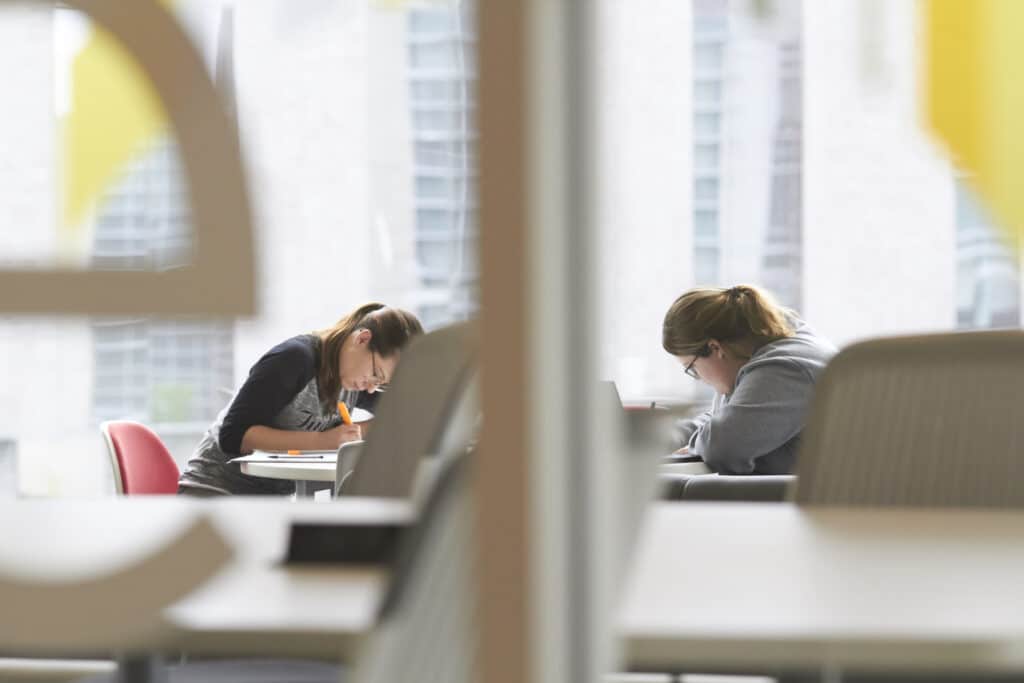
(742, 314)
(392, 328)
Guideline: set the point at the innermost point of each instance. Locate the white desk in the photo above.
(278, 465)
(300, 471)
(688, 468)
(742, 586)
(255, 606)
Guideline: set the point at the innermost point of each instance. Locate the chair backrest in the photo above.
(426, 628)
(931, 420)
(140, 461)
(418, 415)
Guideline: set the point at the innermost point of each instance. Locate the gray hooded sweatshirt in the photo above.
(756, 429)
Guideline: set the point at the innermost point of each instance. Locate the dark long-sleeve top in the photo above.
(281, 392)
(756, 429)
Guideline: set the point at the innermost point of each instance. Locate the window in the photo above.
(157, 372)
(707, 56)
(735, 70)
(707, 92)
(358, 131)
(706, 125)
(443, 132)
(705, 225)
(988, 273)
(762, 166)
(705, 156)
(8, 468)
(705, 189)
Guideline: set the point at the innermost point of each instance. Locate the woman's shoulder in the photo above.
(301, 351)
(804, 349)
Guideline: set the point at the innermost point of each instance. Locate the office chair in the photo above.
(928, 420)
(140, 461)
(425, 629)
(754, 488)
(429, 408)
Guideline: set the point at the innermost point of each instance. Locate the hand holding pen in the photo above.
(347, 431)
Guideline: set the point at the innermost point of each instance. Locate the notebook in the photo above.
(288, 456)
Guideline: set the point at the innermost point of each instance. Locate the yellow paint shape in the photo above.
(114, 113)
(975, 97)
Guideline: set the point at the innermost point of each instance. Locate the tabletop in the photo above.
(295, 470)
(741, 585)
(254, 605)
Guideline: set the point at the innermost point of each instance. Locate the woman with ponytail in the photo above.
(290, 399)
(761, 360)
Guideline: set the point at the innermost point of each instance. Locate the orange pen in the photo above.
(343, 411)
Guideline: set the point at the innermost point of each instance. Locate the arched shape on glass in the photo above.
(221, 279)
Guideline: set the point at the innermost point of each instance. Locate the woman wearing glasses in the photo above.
(290, 399)
(761, 360)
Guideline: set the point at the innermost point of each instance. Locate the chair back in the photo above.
(139, 459)
(422, 412)
(930, 420)
(425, 629)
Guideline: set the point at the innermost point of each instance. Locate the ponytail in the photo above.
(743, 314)
(392, 328)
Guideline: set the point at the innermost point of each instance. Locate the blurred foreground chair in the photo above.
(426, 630)
(429, 411)
(140, 461)
(929, 420)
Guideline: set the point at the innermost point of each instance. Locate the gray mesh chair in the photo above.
(425, 410)
(931, 420)
(425, 630)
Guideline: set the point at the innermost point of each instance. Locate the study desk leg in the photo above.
(302, 489)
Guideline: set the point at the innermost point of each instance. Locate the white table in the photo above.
(754, 586)
(300, 471)
(688, 468)
(255, 606)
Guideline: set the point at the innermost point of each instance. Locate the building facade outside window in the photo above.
(987, 268)
(173, 374)
(747, 171)
(442, 86)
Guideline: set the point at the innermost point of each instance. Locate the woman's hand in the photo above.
(343, 434)
(685, 450)
(263, 438)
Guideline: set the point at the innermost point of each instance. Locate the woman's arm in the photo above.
(766, 410)
(259, 437)
(684, 429)
(272, 383)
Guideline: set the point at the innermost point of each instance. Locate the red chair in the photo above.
(141, 462)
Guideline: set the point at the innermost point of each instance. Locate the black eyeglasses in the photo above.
(378, 377)
(689, 369)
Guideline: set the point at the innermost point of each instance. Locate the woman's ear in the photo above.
(363, 336)
(715, 348)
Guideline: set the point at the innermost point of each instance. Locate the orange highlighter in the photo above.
(343, 411)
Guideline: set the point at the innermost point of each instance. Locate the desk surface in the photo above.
(296, 470)
(746, 585)
(255, 605)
